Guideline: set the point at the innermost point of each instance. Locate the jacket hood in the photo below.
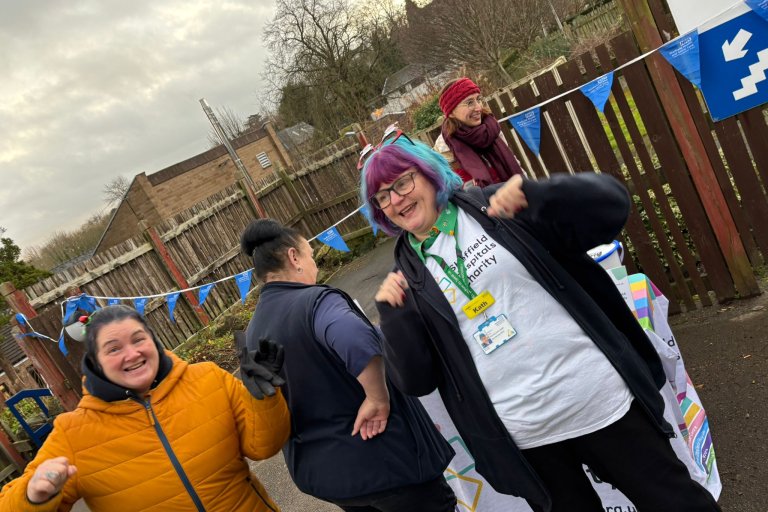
(96, 384)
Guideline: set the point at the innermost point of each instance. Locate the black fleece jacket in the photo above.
(424, 348)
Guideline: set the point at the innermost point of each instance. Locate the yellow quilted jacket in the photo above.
(199, 414)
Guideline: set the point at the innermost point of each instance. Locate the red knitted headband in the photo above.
(456, 93)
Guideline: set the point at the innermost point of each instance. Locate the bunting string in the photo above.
(75, 298)
(526, 123)
(622, 66)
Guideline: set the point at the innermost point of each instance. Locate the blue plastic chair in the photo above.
(38, 435)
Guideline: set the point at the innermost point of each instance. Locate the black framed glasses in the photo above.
(391, 134)
(402, 186)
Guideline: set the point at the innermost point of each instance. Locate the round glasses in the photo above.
(402, 186)
(472, 102)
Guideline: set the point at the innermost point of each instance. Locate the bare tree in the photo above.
(115, 190)
(331, 54)
(254, 122)
(232, 124)
(64, 246)
(483, 34)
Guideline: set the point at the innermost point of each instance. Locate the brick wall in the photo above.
(162, 194)
(207, 178)
(141, 203)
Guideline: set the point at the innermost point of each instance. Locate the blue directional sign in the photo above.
(734, 63)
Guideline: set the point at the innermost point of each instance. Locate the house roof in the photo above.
(9, 347)
(405, 75)
(296, 135)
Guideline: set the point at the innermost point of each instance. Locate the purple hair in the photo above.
(392, 160)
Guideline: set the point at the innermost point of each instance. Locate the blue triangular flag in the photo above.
(69, 310)
(21, 319)
(87, 303)
(62, 346)
(139, 304)
(598, 90)
(683, 54)
(759, 6)
(171, 299)
(528, 125)
(367, 214)
(203, 292)
(113, 302)
(243, 280)
(332, 238)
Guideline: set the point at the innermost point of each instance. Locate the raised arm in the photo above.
(263, 425)
(567, 213)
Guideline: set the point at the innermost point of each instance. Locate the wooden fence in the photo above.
(195, 247)
(675, 230)
(697, 227)
(603, 18)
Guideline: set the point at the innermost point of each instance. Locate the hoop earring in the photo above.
(299, 270)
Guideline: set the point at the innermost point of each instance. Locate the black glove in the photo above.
(259, 368)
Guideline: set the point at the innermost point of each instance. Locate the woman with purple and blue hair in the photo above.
(494, 302)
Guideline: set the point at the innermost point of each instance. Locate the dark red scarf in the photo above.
(470, 145)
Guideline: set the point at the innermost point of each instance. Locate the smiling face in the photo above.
(416, 211)
(470, 111)
(128, 355)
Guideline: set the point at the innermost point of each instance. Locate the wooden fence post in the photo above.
(10, 450)
(362, 140)
(36, 353)
(250, 196)
(692, 147)
(13, 376)
(288, 184)
(173, 270)
(278, 144)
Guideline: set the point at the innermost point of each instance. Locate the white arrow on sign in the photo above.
(735, 49)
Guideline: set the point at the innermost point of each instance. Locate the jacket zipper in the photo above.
(172, 456)
(256, 490)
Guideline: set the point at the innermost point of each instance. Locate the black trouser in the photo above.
(432, 496)
(630, 454)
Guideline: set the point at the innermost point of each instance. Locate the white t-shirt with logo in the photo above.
(548, 383)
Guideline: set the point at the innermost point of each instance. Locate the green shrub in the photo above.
(219, 350)
(427, 114)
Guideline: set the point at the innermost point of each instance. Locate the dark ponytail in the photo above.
(266, 242)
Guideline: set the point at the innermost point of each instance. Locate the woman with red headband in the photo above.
(472, 133)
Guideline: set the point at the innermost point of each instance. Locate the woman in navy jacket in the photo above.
(355, 441)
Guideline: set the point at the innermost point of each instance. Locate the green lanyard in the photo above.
(448, 223)
(460, 278)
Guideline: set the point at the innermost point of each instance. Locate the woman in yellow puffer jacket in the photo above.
(152, 432)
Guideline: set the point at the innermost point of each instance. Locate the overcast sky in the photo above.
(94, 89)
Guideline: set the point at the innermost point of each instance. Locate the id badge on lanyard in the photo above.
(494, 331)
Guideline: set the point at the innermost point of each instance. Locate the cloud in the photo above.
(96, 89)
